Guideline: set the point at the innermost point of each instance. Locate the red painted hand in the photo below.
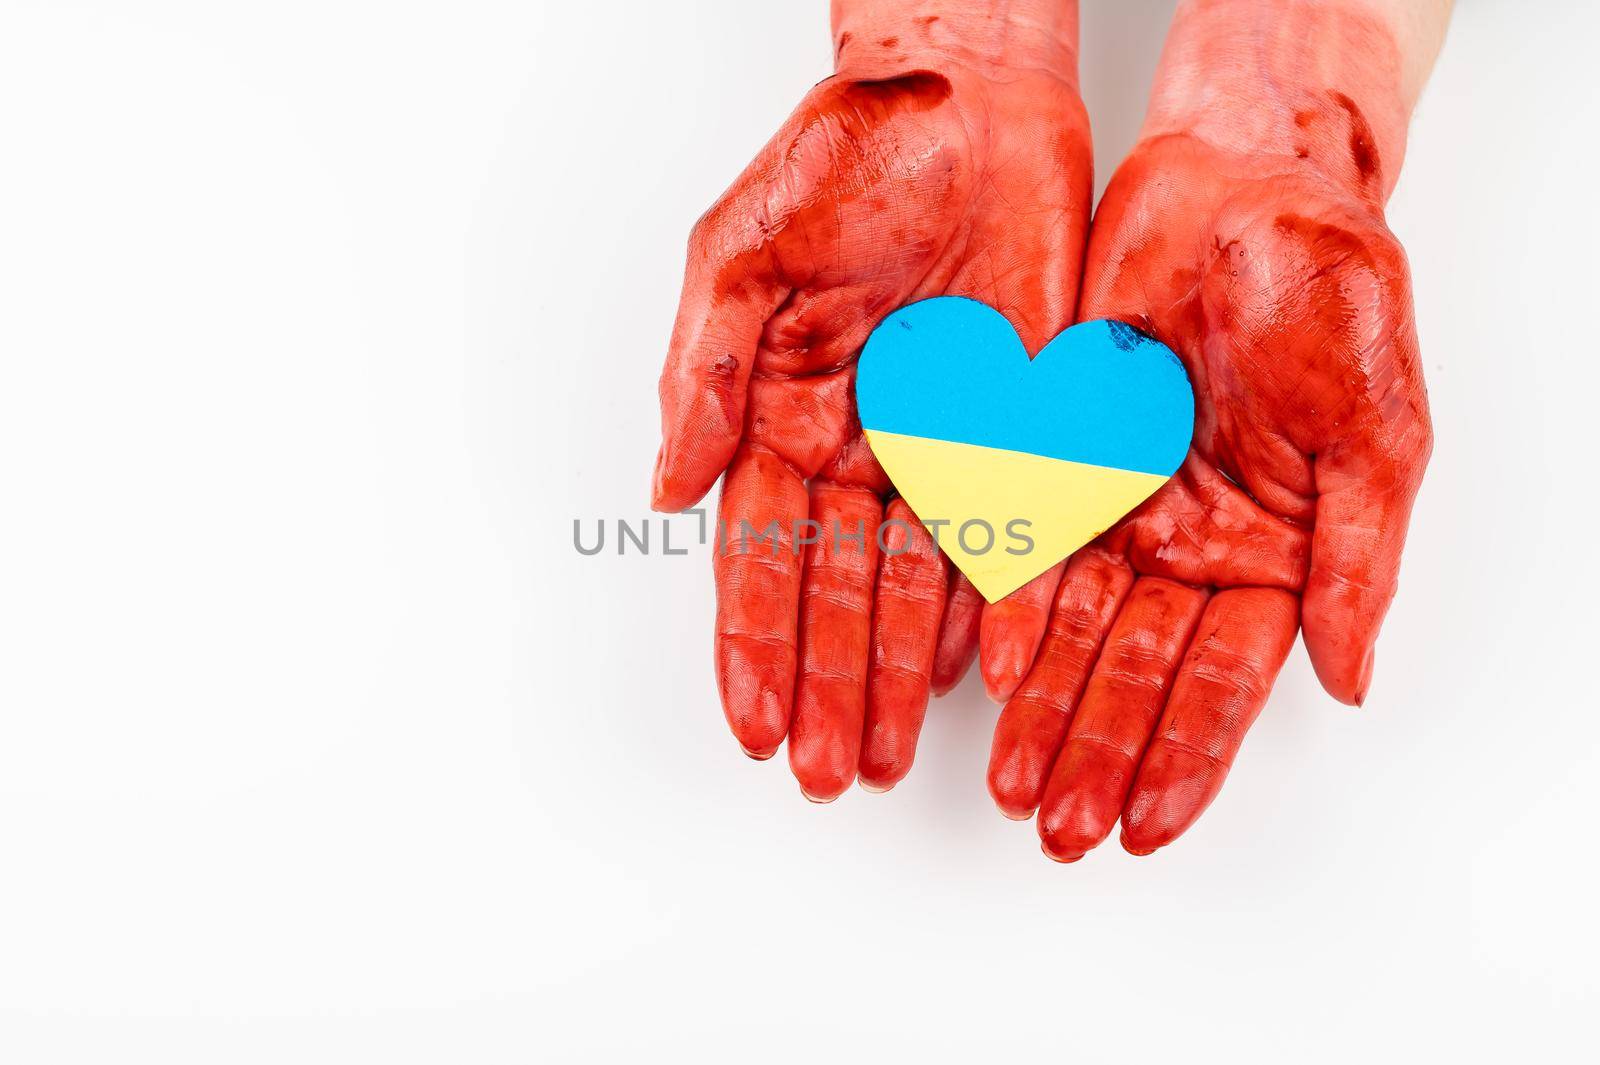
(1275, 279)
(904, 176)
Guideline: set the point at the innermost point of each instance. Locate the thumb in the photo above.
(1361, 521)
(730, 288)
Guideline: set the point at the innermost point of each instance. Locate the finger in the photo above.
(730, 288)
(958, 632)
(1033, 724)
(1117, 714)
(835, 636)
(1362, 516)
(905, 628)
(1240, 644)
(757, 571)
(1011, 631)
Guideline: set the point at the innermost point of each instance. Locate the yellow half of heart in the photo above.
(1004, 517)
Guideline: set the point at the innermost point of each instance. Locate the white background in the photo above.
(321, 321)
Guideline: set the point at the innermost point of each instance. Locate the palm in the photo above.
(875, 193)
(1288, 300)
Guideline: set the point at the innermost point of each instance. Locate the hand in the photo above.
(949, 155)
(1254, 245)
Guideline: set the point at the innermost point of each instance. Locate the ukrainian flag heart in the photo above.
(1013, 463)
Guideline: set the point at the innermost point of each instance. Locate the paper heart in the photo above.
(1016, 463)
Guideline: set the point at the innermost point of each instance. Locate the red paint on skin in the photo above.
(1289, 302)
(1363, 146)
(959, 628)
(911, 597)
(886, 185)
(1269, 271)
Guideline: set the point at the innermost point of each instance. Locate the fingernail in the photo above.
(760, 754)
(657, 483)
(1135, 851)
(1013, 813)
(1365, 683)
(1002, 672)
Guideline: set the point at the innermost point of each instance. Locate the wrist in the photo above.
(1321, 84)
(993, 38)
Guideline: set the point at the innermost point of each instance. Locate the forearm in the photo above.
(1331, 81)
(990, 37)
